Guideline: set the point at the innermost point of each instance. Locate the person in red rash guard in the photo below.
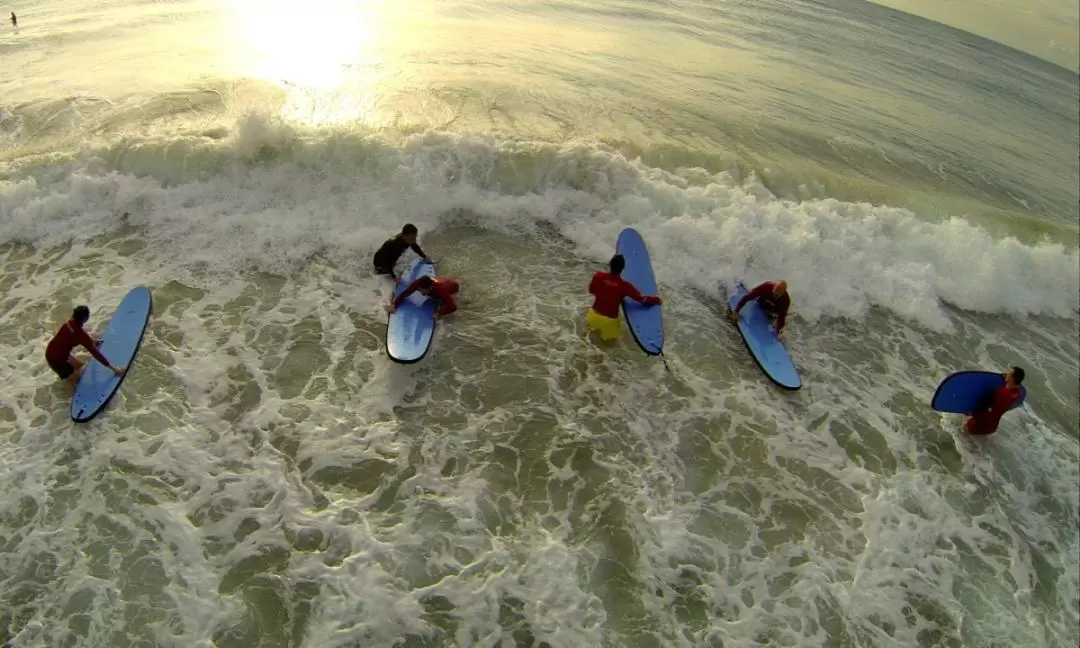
(442, 289)
(773, 298)
(608, 290)
(71, 334)
(985, 420)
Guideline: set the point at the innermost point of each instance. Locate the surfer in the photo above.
(387, 256)
(609, 289)
(71, 334)
(985, 419)
(773, 298)
(14, 20)
(442, 289)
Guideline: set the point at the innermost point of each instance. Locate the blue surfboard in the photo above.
(120, 343)
(646, 322)
(760, 338)
(411, 328)
(964, 391)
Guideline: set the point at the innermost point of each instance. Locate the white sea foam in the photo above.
(266, 473)
(278, 199)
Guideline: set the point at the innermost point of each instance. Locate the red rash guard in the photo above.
(442, 290)
(986, 421)
(66, 339)
(610, 290)
(763, 292)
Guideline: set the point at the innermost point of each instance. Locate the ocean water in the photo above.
(266, 477)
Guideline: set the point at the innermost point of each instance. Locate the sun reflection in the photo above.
(327, 54)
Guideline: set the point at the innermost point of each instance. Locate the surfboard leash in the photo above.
(663, 358)
(1025, 408)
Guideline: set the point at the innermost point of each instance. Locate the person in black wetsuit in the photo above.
(14, 20)
(393, 248)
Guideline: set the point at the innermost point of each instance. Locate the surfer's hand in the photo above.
(780, 335)
(390, 308)
(119, 371)
(735, 316)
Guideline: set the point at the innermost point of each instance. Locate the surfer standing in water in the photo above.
(442, 289)
(609, 289)
(387, 256)
(985, 419)
(773, 298)
(71, 334)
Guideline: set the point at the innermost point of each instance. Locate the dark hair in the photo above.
(1018, 375)
(617, 264)
(424, 283)
(408, 230)
(81, 314)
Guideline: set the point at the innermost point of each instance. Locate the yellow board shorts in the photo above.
(608, 327)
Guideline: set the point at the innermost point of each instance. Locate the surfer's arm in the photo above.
(91, 345)
(631, 291)
(752, 295)
(88, 343)
(404, 294)
(416, 248)
(781, 317)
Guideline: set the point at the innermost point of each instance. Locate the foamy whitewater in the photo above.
(267, 477)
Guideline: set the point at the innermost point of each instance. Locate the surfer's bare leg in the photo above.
(78, 366)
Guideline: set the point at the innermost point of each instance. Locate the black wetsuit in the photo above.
(390, 252)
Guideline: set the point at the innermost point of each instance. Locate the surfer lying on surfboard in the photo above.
(985, 420)
(442, 289)
(71, 334)
(610, 288)
(773, 298)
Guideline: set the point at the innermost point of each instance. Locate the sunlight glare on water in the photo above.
(318, 50)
